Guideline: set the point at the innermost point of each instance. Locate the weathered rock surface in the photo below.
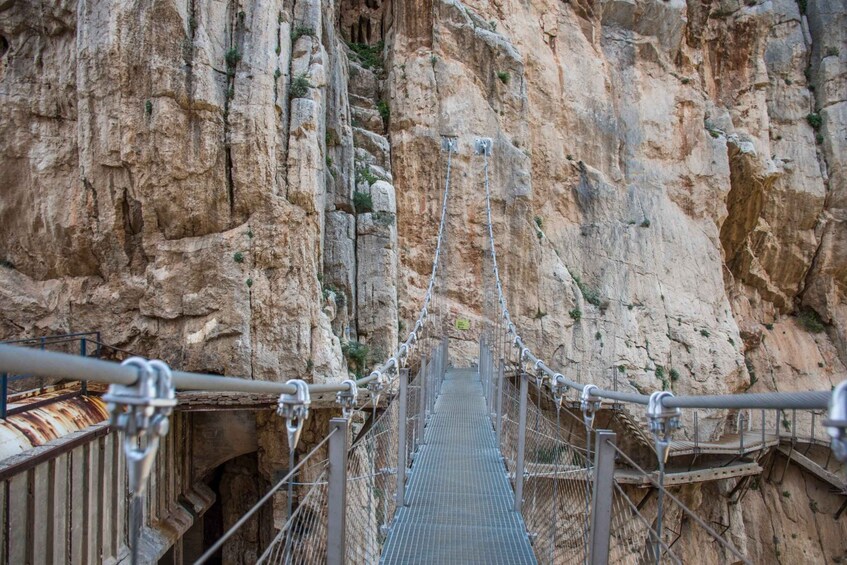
(668, 177)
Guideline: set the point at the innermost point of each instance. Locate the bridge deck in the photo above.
(459, 501)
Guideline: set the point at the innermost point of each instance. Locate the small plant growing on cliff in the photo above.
(300, 31)
(539, 222)
(769, 326)
(645, 223)
(384, 110)
(148, 108)
(356, 354)
(310, 365)
(504, 77)
(575, 314)
(810, 320)
(383, 218)
(233, 57)
(591, 296)
(831, 52)
(814, 120)
(786, 494)
(362, 202)
(238, 257)
(364, 174)
(705, 333)
(249, 283)
(674, 375)
(277, 74)
(369, 56)
(300, 86)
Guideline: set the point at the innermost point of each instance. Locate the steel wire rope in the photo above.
(247, 515)
(720, 539)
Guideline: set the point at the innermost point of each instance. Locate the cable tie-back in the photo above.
(295, 409)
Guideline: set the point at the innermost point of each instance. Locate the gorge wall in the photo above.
(231, 187)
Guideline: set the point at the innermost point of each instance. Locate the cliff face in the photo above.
(213, 183)
(164, 184)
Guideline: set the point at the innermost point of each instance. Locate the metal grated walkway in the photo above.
(459, 500)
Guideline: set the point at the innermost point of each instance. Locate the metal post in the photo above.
(401, 438)
(83, 350)
(519, 466)
(492, 377)
(4, 394)
(422, 397)
(337, 492)
(601, 501)
(500, 371)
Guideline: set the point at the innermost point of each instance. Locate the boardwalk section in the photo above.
(459, 500)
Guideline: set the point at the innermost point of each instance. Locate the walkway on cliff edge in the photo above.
(459, 500)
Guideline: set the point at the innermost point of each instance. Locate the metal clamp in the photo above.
(590, 404)
(449, 143)
(559, 389)
(295, 409)
(141, 411)
(348, 399)
(836, 424)
(482, 146)
(662, 421)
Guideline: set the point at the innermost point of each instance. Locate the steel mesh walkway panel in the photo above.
(460, 503)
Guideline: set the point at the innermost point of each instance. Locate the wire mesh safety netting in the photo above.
(558, 490)
(371, 494)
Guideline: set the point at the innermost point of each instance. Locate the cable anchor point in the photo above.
(482, 146)
(141, 410)
(836, 423)
(589, 404)
(449, 143)
(348, 399)
(663, 421)
(294, 407)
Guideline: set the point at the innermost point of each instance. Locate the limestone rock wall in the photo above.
(165, 179)
(666, 180)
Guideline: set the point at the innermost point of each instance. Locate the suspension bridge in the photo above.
(510, 461)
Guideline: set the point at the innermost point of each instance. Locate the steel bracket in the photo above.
(482, 146)
(141, 410)
(295, 409)
(449, 143)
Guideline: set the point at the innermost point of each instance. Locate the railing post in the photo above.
(519, 465)
(337, 492)
(492, 387)
(601, 501)
(401, 438)
(83, 350)
(423, 401)
(4, 394)
(500, 372)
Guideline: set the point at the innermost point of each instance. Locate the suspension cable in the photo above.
(775, 400)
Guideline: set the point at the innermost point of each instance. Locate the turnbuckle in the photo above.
(348, 399)
(836, 423)
(141, 411)
(663, 421)
(294, 408)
